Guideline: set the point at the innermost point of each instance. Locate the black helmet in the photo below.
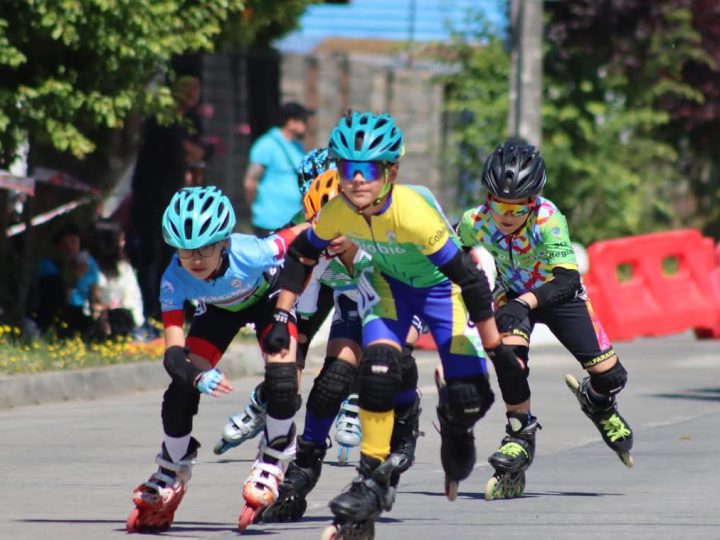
(514, 170)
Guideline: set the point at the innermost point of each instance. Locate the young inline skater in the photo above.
(250, 421)
(538, 281)
(234, 279)
(417, 267)
(340, 268)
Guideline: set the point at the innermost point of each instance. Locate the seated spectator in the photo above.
(66, 282)
(118, 308)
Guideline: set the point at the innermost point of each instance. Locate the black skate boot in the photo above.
(406, 430)
(357, 508)
(513, 458)
(300, 479)
(615, 431)
(457, 443)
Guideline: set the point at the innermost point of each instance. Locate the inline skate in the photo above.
(513, 458)
(157, 499)
(615, 431)
(261, 487)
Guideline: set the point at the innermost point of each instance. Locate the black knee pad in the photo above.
(514, 386)
(281, 389)
(330, 387)
(610, 382)
(408, 370)
(379, 375)
(469, 399)
(180, 404)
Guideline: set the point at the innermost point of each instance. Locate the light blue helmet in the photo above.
(364, 136)
(197, 217)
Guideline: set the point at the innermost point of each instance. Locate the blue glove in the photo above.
(208, 381)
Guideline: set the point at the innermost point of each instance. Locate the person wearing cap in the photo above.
(271, 179)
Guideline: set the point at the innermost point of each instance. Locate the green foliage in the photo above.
(611, 169)
(477, 97)
(68, 65)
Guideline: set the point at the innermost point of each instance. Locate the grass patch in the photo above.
(20, 356)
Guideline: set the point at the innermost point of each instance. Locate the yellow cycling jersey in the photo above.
(408, 238)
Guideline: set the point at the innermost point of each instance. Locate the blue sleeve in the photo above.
(262, 152)
(45, 268)
(442, 256)
(172, 296)
(316, 241)
(253, 252)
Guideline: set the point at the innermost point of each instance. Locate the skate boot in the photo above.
(261, 487)
(513, 458)
(300, 478)
(348, 434)
(406, 431)
(357, 508)
(457, 443)
(157, 499)
(614, 429)
(244, 426)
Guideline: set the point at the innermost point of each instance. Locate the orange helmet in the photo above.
(324, 188)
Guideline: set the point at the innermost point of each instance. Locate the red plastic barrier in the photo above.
(709, 331)
(652, 302)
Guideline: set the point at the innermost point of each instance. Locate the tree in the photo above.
(611, 71)
(68, 66)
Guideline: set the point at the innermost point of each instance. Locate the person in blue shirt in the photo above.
(271, 178)
(66, 285)
(233, 279)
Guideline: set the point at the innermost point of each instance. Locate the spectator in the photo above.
(163, 167)
(118, 310)
(271, 178)
(66, 285)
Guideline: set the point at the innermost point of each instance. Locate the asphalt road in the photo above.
(68, 469)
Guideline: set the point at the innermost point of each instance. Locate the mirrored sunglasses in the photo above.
(370, 170)
(513, 209)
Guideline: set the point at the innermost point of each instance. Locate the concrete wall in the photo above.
(332, 83)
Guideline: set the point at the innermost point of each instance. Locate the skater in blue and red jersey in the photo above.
(233, 278)
(538, 282)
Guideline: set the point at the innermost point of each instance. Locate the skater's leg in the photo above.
(464, 390)
(579, 330)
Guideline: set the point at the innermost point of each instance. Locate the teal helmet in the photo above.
(313, 164)
(364, 136)
(197, 217)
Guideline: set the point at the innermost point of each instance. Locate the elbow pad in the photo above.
(179, 367)
(295, 274)
(564, 286)
(473, 286)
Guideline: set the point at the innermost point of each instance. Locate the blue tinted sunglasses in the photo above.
(370, 170)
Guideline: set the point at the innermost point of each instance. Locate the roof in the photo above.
(400, 20)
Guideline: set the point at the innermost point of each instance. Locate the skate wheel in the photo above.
(343, 455)
(451, 489)
(627, 459)
(491, 488)
(132, 520)
(329, 533)
(572, 383)
(247, 515)
(219, 448)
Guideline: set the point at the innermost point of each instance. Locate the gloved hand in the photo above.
(511, 315)
(278, 337)
(209, 380)
(505, 361)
